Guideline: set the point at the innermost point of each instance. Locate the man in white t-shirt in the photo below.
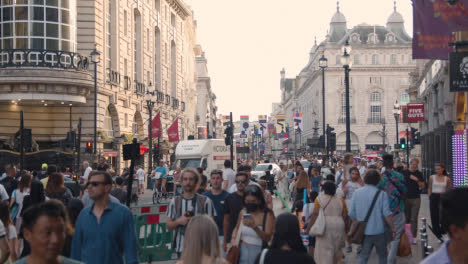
(247, 169)
(87, 170)
(3, 194)
(229, 175)
(141, 178)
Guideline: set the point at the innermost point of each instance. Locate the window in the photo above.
(126, 120)
(157, 60)
(157, 4)
(404, 99)
(393, 59)
(125, 67)
(343, 104)
(135, 126)
(375, 108)
(125, 22)
(148, 39)
(137, 47)
(108, 123)
(338, 60)
(108, 35)
(173, 70)
(375, 59)
(357, 59)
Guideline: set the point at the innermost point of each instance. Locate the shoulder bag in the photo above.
(318, 229)
(356, 231)
(262, 256)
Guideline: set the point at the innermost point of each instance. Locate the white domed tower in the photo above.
(396, 24)
(337, 25)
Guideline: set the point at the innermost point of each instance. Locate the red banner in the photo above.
(415, 112)
(156, 126)
(173, 131)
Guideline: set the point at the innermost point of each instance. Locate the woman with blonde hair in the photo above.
(302, 183)
(201, 243)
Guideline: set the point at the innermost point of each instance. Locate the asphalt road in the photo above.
(350, 258)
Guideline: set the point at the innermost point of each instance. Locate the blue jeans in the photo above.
(380, 244)
(399, 221)
(248, 253)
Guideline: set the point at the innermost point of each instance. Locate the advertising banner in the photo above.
(458, 71)
(415, 112)
(433, 24)
(156, 126)
(281, 126)
(262, 121)
(173, 131)
(271, 131)
(297, 118)
(245, 129)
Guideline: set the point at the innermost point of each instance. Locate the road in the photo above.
(350, 258)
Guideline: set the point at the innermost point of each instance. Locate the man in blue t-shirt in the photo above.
(217, 196)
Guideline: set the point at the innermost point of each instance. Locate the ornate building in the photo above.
(45, 70)
(381, 57)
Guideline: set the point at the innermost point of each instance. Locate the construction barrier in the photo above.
(154, 240)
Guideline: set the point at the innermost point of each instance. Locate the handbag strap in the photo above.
(372, 206)
(323, 209)
(239, 233)
(262, 256)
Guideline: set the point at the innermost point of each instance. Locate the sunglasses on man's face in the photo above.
(241, 181)
(95, 183)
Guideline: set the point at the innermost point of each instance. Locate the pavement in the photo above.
(353, 257)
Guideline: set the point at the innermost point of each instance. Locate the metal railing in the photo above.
(175, 103)
(159, 97)
(127, 83)
(17, 58)
(139, 88)
(342, 120)
(168, 99)
(113, 77)
(375, 120)
(183, 106)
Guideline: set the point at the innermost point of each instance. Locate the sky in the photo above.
(248, 42)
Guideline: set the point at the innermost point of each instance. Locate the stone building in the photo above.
(45, 70)
(381, 57)
(205, 115)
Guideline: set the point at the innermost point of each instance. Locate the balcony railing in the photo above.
(43, 58)
(159, 97)
(183, 106)
(168, 99)
(113, 77)
(375, 120)
(139, 88)
(127, 83)
(175, 103)
(342, 120)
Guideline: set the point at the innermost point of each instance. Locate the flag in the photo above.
(297, 118)
(156, 126)
(245, 127)
(173, 131)
(262, 120)
(281, 126)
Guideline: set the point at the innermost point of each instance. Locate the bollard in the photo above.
(422, 230)
(423, 248)
(429, 251)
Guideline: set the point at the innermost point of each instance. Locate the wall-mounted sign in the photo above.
(459, 71)
(414, 112)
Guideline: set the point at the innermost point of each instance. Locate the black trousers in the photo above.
(434, 206)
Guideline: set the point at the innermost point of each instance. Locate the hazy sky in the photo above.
(247, 42)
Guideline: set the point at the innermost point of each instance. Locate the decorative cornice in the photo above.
(180, 8)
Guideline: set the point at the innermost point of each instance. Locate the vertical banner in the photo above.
(156, 126)
(271, 131)
(433, 24)
(298, 125)
(280, 125)
(262, 121)
(245, 129)
(173, 131)
(458, 71)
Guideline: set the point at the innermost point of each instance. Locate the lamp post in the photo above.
(323, 63)
(150, 97)
(95, 58)
(208, 125)
(396, 114)
(346, 61)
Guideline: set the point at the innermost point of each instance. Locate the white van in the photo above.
(209, 154)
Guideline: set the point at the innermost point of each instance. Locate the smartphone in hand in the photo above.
(247, 216)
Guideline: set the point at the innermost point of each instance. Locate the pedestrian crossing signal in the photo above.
(402, 143)
(89, 147)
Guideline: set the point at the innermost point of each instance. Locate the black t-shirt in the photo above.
(411, 185)
(278, 256)
(232, 206)
(101, 167)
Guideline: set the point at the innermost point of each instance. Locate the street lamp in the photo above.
(150, 98)
(346, 61)
(323, 63)
(207, 124)
(95, 58)
(396, 114)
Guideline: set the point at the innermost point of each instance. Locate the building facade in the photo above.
(46, 70)
(381, 63)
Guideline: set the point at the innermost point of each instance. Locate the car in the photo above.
(73, 186)
(306, 164)
(259, 171)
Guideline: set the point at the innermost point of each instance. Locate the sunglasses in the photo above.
(241, 181)
(95, 183)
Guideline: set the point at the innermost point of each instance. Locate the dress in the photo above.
(283, 186)
(328, 248)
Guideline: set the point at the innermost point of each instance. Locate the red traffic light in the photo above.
(89, 144)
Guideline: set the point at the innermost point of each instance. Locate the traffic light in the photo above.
(413, 137)
(228, 138)
(402, 143)
(332, 142)
(156, 151)
(89, 147)
(321, 143)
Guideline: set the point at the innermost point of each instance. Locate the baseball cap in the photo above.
(44, 166)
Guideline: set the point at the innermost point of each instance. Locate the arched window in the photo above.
(404, 98)
(375, 107)
(393, 59)
(157, 59)
(135, 127)
(173, 70)
(108, 123)
(375, 59)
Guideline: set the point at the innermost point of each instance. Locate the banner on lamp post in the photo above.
(156, 126)
(415, 112)
(262, 121)
(173, 131)
(245, 126)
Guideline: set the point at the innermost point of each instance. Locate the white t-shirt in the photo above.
(12, 232)
(2, 230)
(141, 174)
(3, 193)
(86, 173)
(233, 188)
(230, 176)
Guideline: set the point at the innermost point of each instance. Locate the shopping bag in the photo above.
(404, 248)
(409, 234)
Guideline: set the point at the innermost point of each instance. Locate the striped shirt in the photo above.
(186, 205)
